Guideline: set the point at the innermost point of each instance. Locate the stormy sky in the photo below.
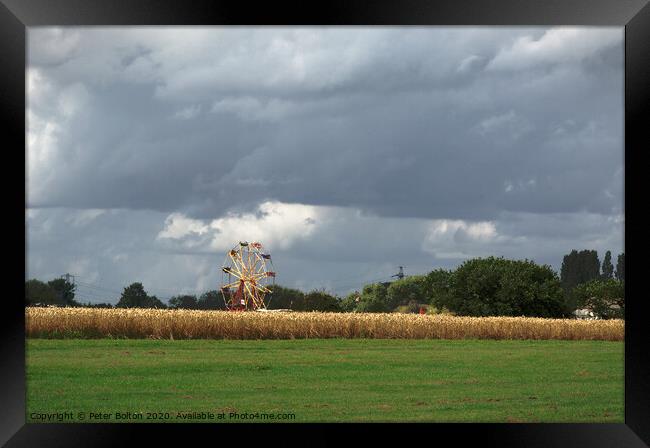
(346, 151)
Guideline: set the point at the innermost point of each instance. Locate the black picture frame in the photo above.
(634, 15)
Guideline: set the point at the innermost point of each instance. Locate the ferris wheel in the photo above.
(247, 276)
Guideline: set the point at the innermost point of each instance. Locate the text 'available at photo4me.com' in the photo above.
(136, 416)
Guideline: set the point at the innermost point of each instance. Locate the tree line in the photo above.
(589, 284)
(492, 286)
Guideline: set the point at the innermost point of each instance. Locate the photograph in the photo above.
(325, 224)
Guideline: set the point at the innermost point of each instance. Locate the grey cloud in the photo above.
(387, 128)
(352, 117)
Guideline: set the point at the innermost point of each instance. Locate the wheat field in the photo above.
(191, 324)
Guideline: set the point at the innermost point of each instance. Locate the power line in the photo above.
(352, 280)
(98, 288)
(90, 292)
(364, 282)
(156, 290)
(348, 279)
(113, 291)
(90, 299)
(95, 299)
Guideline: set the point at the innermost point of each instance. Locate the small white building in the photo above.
(585, 313)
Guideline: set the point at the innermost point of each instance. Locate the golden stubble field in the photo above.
(191, 324)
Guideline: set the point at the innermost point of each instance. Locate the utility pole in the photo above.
(67, 278)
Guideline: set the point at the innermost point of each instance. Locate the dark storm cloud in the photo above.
(438, 123)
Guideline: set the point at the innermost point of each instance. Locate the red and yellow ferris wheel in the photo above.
(247, 277)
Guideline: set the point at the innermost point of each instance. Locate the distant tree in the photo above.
(134, 296)
(64, 291)
(211, 300)
(285, 298)
(437, 287)
(500, 287)
(605, 297)
(154, 302)
(608, 267)
(374, 299)
(579, 267)
(620, 267)
(187, 302)
(38, 292)
(319, 300)
(405, 290)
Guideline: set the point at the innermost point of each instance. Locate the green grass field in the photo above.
(326, 380)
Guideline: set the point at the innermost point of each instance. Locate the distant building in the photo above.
(585, 314)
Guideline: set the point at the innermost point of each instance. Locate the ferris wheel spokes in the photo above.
(248, 265)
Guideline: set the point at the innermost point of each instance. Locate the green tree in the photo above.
(64, 291)
(620, 267)
(406, 290)
(374, 299)
(285, 298)
(499, 287)
(187, 302)
(605, 297)
(437, 287)
(134, 296)
(211, 300)
(319, 300)
(579, 267)
(37, 291)
(154, 302)
(608, 267)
